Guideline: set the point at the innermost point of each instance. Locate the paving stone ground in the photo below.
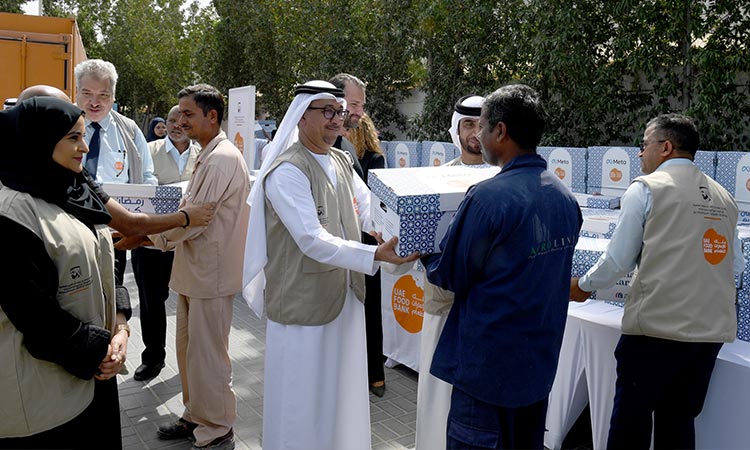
(144, 406)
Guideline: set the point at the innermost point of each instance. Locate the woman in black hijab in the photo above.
(157, 129)
(62, 339)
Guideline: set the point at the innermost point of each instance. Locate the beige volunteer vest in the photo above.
(684, 288)
(166, 169)
(40, 395)
(299, 289)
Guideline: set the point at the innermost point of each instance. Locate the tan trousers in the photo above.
(205, 368)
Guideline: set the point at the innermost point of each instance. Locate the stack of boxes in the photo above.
(419, 212)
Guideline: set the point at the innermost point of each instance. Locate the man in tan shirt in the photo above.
(207, 273)
(174, 161)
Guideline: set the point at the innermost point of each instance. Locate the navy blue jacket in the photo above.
(507, 257)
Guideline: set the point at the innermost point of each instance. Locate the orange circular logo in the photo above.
(436, 162)
(560, 172)
(407, 300)
(747, 184)
(714, 246)
(119, 165)
(401, 162)
(615, 174)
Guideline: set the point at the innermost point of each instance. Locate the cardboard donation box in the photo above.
(733, 172)
(147, 198)
(587, 253)
(568, 163)
(417, 204)
(438, 153)
(599, 223)
(400, 154)
(597, 201)
(611, 169)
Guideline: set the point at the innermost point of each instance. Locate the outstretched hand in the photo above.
(386, 251)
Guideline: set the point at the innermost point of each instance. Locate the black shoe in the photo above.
(177, 430)
(146, 372)
(225, 442)
(379, 391)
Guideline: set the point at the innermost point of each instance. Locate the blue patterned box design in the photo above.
(733, 172)
(743, 294)
(401, 154)
(146, 198)
(586, 254)
(438, 153)
(597, 201)
(611, 169)
(706, 162)
(568, 163)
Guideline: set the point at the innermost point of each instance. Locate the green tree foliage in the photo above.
(276, 44)
(154, 44)
(602, 67)
(11, 6)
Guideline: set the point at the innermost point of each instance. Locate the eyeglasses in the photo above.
(329, 112)
(645, 144)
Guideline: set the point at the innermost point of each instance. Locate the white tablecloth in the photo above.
(587, 373)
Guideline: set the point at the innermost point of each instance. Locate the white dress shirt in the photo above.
(288, 190)
(624, 249)
(180, 158)
(112, 166)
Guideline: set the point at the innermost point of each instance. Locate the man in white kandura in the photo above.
(311, 205)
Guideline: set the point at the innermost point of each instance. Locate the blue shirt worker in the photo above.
(507, 256)
(678, 226)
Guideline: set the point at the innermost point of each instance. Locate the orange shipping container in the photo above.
(38, 50)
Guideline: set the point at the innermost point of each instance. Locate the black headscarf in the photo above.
(151, 126)
(35, 126)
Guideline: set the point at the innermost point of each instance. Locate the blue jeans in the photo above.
(474, 424)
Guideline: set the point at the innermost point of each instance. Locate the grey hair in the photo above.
(342, 79)
(98, 69)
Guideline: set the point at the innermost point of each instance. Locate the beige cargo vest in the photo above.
(684, 288)
(39, 395)
(166, 169)
(299, 289)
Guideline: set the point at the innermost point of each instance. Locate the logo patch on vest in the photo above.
(715, 246)
(76, 283)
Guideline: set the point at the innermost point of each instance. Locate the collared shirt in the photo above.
(180, 158)
(624, 249)
(288, 190)
(113, 164)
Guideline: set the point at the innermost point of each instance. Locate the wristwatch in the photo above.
(122, 326)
